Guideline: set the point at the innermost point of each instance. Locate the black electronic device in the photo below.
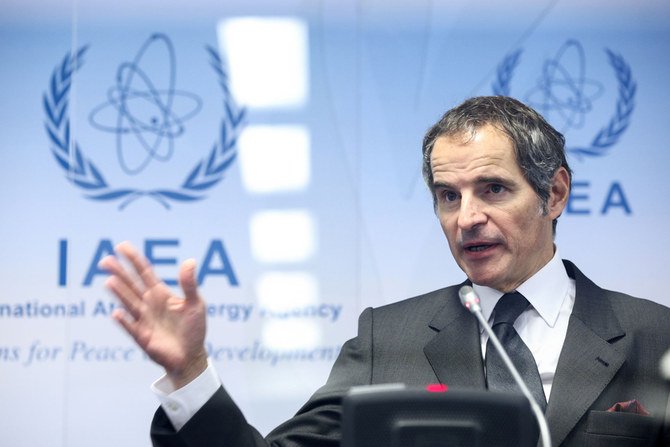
(392, 417)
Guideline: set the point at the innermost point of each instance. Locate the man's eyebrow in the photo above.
(482, 180)
(443, 185)
(495, 179)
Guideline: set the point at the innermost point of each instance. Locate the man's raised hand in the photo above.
(170, 329)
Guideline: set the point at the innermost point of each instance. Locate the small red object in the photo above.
(437, 388)
(631, 406)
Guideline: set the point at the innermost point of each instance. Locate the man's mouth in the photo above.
(478, 247)
(475, 248)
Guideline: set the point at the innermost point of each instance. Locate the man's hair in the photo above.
(538, 147)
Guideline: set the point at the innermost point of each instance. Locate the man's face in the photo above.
(489, 212)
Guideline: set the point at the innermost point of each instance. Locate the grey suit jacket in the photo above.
(611, 354)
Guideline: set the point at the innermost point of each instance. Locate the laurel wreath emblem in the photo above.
(84, 174)
(609, 134)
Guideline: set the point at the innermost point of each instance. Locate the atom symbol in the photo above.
(144, 111)
(564, 88)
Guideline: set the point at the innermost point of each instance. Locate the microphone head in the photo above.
(469, 298)
(665, 365)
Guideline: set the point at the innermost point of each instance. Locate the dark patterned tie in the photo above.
(508, 309)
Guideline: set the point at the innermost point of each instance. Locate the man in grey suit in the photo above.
(500, 180)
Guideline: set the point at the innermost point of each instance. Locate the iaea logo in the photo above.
(565, 95)
(145, 113)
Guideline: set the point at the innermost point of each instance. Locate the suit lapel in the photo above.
(588, 361)
(454, 352)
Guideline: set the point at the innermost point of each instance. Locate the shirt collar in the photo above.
(544, 290)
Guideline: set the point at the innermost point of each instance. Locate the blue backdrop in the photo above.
(278, 143)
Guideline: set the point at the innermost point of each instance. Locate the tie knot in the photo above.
(509, 307)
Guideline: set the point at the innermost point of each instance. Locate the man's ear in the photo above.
(559, 193)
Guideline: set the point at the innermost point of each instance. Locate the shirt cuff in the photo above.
(180, 405)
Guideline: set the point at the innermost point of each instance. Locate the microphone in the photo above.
(665, 365)
(470, 301)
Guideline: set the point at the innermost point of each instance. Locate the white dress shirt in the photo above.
(542, 327)
(180, 405)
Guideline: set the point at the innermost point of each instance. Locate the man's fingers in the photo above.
(130, 300)
(187, 280)
(139, 262)
(127, 323)
(114, 267)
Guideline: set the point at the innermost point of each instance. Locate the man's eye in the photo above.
(450, 196)
(496, 189)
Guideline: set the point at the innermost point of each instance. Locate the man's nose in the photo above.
(471, 213)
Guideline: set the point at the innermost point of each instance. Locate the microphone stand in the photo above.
(471, 302)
